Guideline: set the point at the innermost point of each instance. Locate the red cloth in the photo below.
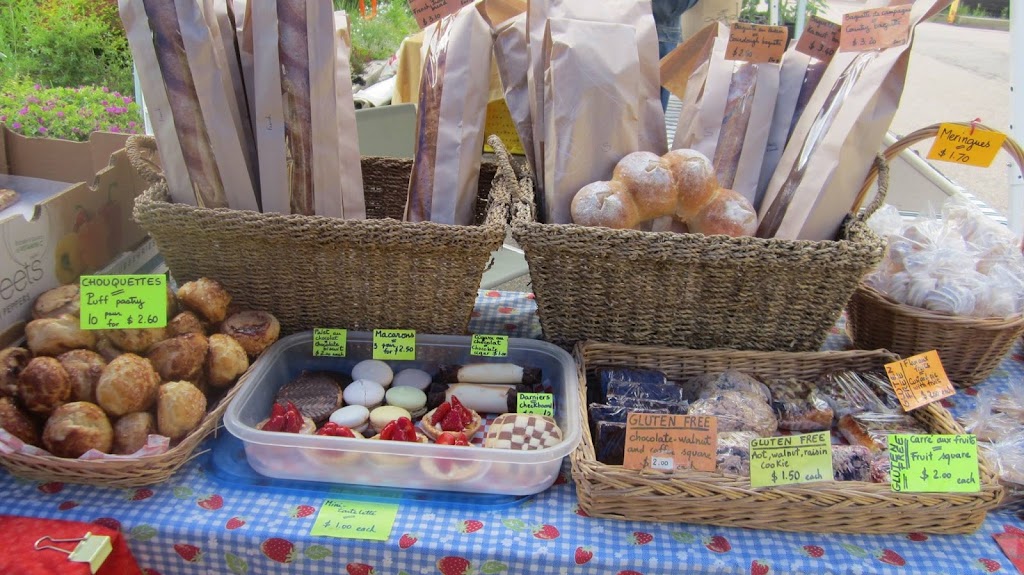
(19, 554)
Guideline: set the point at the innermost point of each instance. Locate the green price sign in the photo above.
(934, 463)
(329, 342)
(536, 403)
(123, 301)
(394, 344)
(355, 520)
(489, 345)
(790, 459)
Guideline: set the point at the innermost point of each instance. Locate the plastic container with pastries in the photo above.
(399, 464)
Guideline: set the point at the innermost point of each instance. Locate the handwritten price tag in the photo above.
(919, 380)
(756, 43)
(427, 12)
(394, 344)
(962, 145)
(670, 442)
(791, 459)
(328, 342)
(537, 403)
(934, 463)
(499, 121)
(875, 29)
(123, 301)
(820, 39)
(489, 345)
(355, 520)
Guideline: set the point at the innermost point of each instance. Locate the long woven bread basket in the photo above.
(137, 472)
(970, 348)
(610, 491)
(313, 271)
(692, 290)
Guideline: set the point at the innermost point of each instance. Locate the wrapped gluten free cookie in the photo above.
(711, 384)
(307, 163)
(872, 430)
(800, 406)
(846, 392)
(450, 118)
(738, 411)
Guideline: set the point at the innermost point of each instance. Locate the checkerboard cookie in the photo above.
(523, 432)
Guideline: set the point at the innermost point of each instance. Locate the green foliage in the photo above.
(756, 11)
(377, 38)
(67, 113)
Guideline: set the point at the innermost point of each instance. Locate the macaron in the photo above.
(364, 392)
(354, 417)
(374, 370)
(384, 415)
(412, 378)
(409, 398)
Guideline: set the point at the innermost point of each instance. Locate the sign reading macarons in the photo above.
(394, 344)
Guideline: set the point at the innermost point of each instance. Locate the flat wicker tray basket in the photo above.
(313, 271)
(692, 290)
(610, 491)
(970, 348)
(121, 472)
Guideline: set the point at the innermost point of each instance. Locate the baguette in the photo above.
(184, 102)
(428, 115)
(293, 51)
(734, 125)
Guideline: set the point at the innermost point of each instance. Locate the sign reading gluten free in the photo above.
(123, 301)
(665, 442)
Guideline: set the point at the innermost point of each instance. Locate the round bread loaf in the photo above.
(128, 384)
(695, 181)
(77, 427)
(207, 297)
(729, 213)
(606, 204)
(44, 385)
(179, 409)
(225, 361)
(649, 182)
(179, 358)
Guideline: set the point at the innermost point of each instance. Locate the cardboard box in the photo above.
(77, 221)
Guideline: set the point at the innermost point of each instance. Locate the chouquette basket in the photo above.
(611, 491)
(692, 290)
(314, 271)
(126, 472)
(970, 348)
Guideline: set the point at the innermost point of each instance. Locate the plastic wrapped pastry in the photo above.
(610, 442)
(799, 406)
(733, 457)
(851, 463)
(661, 392)
(729, 380)
(1012, 402)
(609, 374)
(986, 424)
(872, 430)
(738, 411)
(880, 384)
(645, 405)
(847, 393)
(1008, 458)
(880, 467)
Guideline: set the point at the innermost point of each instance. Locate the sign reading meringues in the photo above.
(671, 442)
(123, 301)
(968, 145)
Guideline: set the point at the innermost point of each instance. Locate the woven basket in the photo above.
(692, 290)
(610, 491)
(314, 271)
(120, 472)
(970, 348)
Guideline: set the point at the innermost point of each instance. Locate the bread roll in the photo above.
(179, 358)
(12, 361)
(255, 331)
(695, 181)
(77, 427)
(131, 432)
(185, 322)
(225, 361)
(56, 335)
(127, 384)
(84, 368)
(44, 385)
(135, 340)
(649, 182)
(179, 409)
(57, 302)
(729, 213)
(604, 204)
(17, 422)
(206, 297)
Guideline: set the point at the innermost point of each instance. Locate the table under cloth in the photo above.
(206, 521)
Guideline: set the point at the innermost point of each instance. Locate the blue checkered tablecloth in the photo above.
(203, 522)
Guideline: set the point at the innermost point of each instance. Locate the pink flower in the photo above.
(23, 111)
(115, 129)
(131, 124)
(127, 100)
(60, 113)
(105, 90)
(3, 118)
(32, 100)
(42, 129)
(37, 87)
(16, 125)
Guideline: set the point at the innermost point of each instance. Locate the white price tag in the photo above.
(663, 463)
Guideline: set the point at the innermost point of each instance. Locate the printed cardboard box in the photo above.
(73, 216)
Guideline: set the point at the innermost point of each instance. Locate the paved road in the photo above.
(956, 74)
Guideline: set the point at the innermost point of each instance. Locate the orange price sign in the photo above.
(669, 442)
(755, 43)
(966, 145)
(427, 12)
(820, 38)
(875, 29)
(919, 380)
